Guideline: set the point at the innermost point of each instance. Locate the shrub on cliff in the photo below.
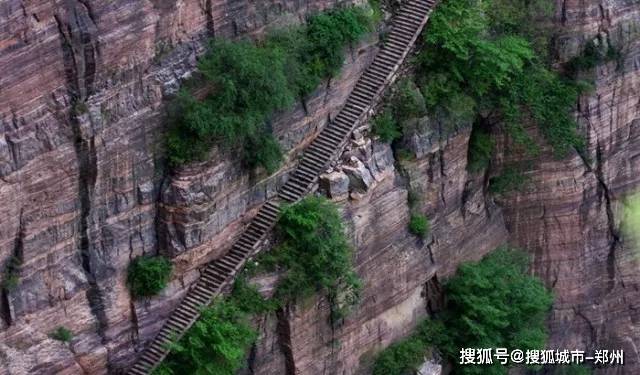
(480, 149)
(511, 179)
(314, 251)
(385, 126)
(221, 338)
(492, 303)
(400, 358)
(419, 225)
(328, 33)
(405, 103)
(486, 54)
(216, 344)
(147, 276)
(596, 52)
(11, 273)
(61, 334)
(246, 83)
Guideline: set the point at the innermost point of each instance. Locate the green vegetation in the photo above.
(483, 61)
(493, 303)
(378, 12)
(401, 358)
(218, 342)
(480, 149)
(511, 179)
(327, 33)
(215, 345)
(596, 52)
(61, 334)
(147, 276)
(386, 127)
(630, 224)
(314, 251)
(245, 83)
(11, 273)
(405, 105)
(419, 225)
(418, 222)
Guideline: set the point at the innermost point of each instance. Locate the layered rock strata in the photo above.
(84, 190)
(82, 111)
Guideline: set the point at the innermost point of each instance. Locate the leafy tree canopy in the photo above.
(147, 276)
(492, 303)
(245, 83)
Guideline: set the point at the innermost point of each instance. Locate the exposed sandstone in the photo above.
(82, 99)
(395, 266)
(568, 213)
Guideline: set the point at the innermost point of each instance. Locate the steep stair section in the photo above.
(219, 274)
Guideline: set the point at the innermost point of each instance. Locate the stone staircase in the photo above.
(219, 274)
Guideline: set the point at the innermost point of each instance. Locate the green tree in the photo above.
(480, 149)
(492, 303)
(385, 126)
(147, 276)
(315, 253)
(480, 60)
(245, 83)
(248, 84)
(401, 358)
(419, 225)
(215, 345)
(328, 33)
(404, 104)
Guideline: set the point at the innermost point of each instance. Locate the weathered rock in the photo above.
(335, 185)
(566, 215)
(360, 178)
(82, 181)
(394, 265)
(430, 368)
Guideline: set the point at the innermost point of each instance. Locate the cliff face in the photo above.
(81, 176)
(82, 181)
(399, 270)
(568, 216)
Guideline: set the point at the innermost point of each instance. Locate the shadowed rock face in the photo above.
(568, 216)
(83, 89)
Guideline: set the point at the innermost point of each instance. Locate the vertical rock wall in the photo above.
(400, 271)
(568, 214)
(83, 186)
(82, 182)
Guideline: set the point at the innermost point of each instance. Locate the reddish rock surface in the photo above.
(82, 97)
(82, 100)
(569, 213)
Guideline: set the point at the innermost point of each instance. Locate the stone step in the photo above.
(217, 275)
(288, 196)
